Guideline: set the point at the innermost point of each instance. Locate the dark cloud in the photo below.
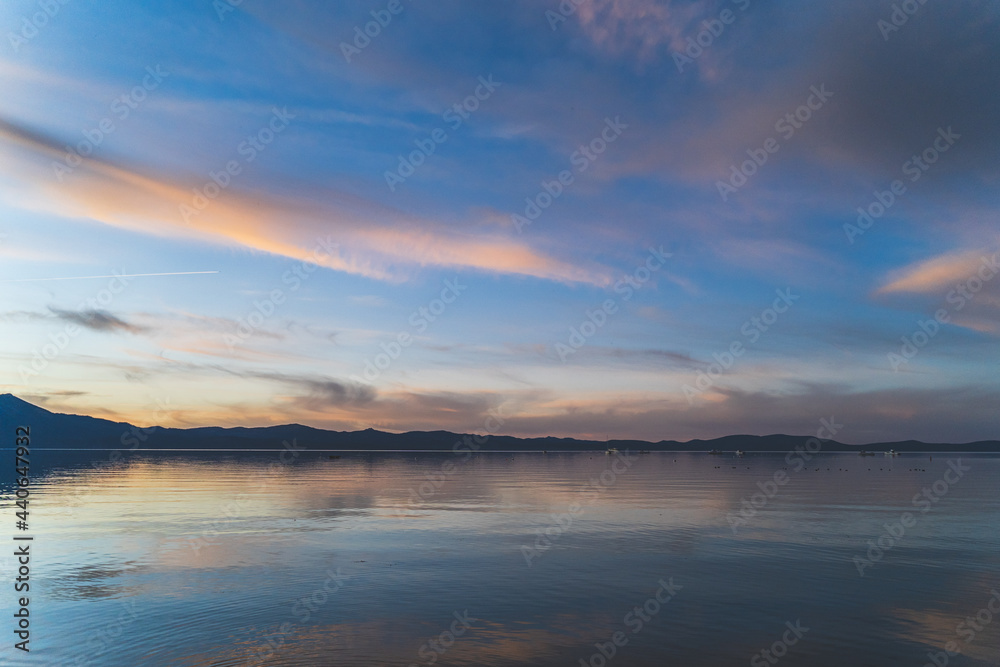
(47, 397)
(937, 70)
(320, 393)
(403, 410)
(668, 357)
(96, 320)
(315, 392)
(603, 355)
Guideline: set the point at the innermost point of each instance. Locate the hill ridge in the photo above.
(59, 430)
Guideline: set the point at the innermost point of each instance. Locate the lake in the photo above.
(264, 558)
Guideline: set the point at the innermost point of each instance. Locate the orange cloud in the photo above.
(941, 272)
(356, 236)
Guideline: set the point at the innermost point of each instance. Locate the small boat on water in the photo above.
(739, 452)
(892, 452)
(611, 450)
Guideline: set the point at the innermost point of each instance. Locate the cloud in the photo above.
(657, 182)
(323, 393)
(25, 253)
(896, 93)
(962, 283)
(946, 413)
(952, 415)
(89, 318)
(342, 404)
(935, 275)
(638, 27)
(313, 392)
(44, 399)
(96, 320)
(598, 355)
(889, 98)
(354, 235)
(949, 413)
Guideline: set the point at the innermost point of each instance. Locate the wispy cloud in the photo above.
(372, 240)
(96, 320)
(88, 318)
(940, 273)
(639, 27)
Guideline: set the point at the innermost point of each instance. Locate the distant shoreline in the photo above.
(80, 433)
(498, 451)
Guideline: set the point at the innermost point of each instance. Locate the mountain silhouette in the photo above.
(51, 430)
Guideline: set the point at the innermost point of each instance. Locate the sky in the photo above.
(600, 218)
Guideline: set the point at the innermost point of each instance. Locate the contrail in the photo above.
(119, 275)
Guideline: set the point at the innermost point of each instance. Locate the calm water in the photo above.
(169, 559)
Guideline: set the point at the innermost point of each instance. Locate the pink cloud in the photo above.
(371, 240)
(942, 272)
(639, 26)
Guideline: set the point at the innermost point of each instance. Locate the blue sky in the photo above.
(322, 263)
